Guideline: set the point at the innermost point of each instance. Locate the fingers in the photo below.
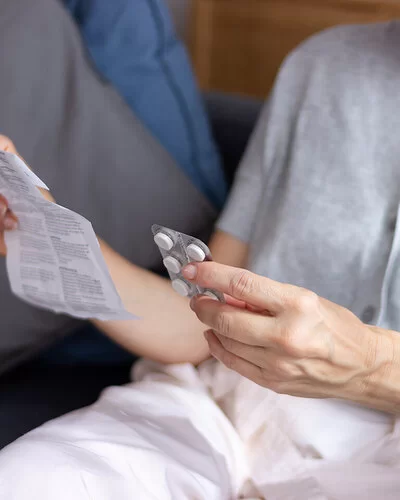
(237, 324)
(245, 286)
(8, 221)
(6, 144)
(254, 354)
(243, 305)
(231, 361)
(274, 365)
(3, 206)
(235, 302)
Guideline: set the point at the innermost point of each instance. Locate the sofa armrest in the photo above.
(233, 119)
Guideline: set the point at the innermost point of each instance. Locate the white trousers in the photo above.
(168, 436)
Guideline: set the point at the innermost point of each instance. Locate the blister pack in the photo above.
(178, 250)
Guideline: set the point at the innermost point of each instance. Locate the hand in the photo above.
(287, 338)
(8, 220)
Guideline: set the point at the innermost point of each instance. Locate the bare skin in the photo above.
(282, 337)
(168, 331)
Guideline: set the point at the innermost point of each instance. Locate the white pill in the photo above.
(196, 253)
(181, 287)
(163, 241)
(211, 295)
(173, 265)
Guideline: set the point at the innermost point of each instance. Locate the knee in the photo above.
(33, 469)
(28, 455)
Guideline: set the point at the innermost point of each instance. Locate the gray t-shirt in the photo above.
(317, 195)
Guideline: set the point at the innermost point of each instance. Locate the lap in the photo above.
(156, 438)
(166, 437)
(30, 394)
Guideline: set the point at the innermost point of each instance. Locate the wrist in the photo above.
(379, 386)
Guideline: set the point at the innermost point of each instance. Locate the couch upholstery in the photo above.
(39, 390)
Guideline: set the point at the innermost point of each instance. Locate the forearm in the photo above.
(381, 387)
(167, 330)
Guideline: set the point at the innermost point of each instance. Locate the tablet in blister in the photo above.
(178, 250)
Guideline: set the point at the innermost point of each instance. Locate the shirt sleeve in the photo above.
(239, 214)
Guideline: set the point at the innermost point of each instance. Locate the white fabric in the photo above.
(165, 437)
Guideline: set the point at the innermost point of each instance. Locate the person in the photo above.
(304, 402)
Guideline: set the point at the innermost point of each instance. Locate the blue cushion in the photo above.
(134, 46)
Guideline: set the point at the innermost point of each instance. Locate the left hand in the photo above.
(8, 220)
(287, 338)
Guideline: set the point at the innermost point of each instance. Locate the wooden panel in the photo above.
(238, 45)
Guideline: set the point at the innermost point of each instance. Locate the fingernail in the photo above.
(10, 224)
(190, 272)
(192, 303)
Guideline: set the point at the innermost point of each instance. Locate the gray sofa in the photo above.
(41, 389)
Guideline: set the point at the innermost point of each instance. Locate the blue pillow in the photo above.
(134, 46)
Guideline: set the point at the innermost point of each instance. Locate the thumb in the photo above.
(7, 144)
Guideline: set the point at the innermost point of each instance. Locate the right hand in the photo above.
(8, 220)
